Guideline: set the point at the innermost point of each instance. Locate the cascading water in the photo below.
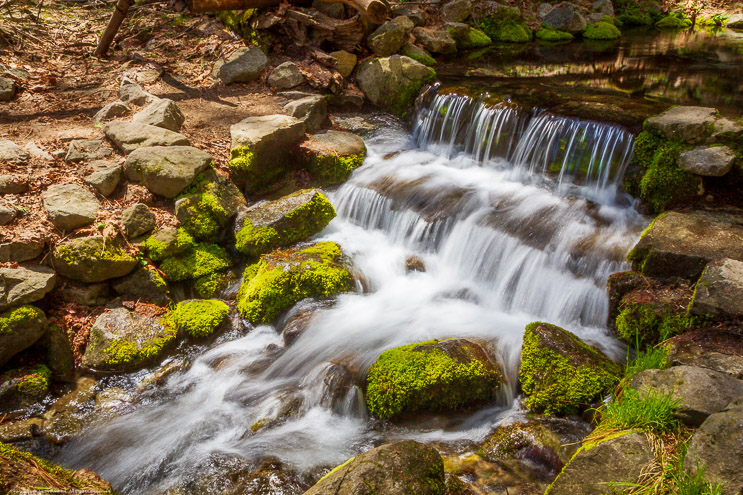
(500, 250)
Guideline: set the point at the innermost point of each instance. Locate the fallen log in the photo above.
(377, 11)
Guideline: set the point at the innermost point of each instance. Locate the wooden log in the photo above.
(122, 6)
(377, 11)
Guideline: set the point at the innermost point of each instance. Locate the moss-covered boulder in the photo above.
(196, 262)
(206, 206)
(467, 37)
(331, 156)
(20, 328)
(168, 242)
(418, 54)
(501, 23)
(393, 83)
(145, 284)
(560, 374)
(684, 123)
(398, 468)
(262, 148)
(197, 318)
(551, 35)
(267, 225)
(674, 21)
(22, 472)
(602, 31)
(22, 387)
(92, 259)
(282, 278)
(122, 340)
(438, 375)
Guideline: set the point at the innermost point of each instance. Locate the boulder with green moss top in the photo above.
(435, 40)
(467, 37)
(674, 21)
(551, 35)
(602, 31)
(719, 291)
(393, 83)
(438, 375)
(167, 242)
(196, 262)
(166, 170)
(680, 244)
(331, 156)
(20, 328)
(393, 469)
(262, 148)
(208, 204)
(560, 374)
(267, 225)
(22, 472)
(602, 466)
(197, 318)
(144, 284)
(282, 278)
(92, 259)
(122, 340)
(501, 22)
(22, 387)
(388, 38)
(418, 54)
(23, 285)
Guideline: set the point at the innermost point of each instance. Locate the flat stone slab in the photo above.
(166, 170)
(24, 285)
(243, 65)
(719, 291)
(690, 124)
(690, 354)
(70, 206)
(129, 136)
(21, 250)
(12, 153)
(81, 150)
(162, 113)
(708, 161)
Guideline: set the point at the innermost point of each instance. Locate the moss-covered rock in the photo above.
(398, 468)
(393, 83)
(418, 54)
(438, 375)
(92, 259)
(467, 37)
(331, 156)
(559, 373)
(674, 21)
(122, 340)
(167, 242)
(196, 262)
(144, 284)
(210, 285)
(602, 31)
(502, 23)
(282, 278)
(551, 35)
(267, 225)
(635, 18)
(197, 318)
(21, 387)
(19, 329)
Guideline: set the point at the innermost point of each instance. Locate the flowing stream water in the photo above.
(515, 214)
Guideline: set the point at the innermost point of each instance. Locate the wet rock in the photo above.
(283, 278)
(685, 353)
(122, 340)
(111, 111)
(60, 358)
(346, 62)
(393, 83)
(559, 373)
(104, 176)
(7, 89)
(297, 320)
(617, 459)
(414, 264)
(455, 486)
(24, 285)
(395, 468)
(13, 154)
(266, 225)
(681, 244)
(22, 250)
(20, 388)
(129, 136)
(262, 147)
(137, 220)
(690, 124)
(565, 18)
(69, 415)
(466, 36)
(331, 156)
(271, 477)
(7, 214)
(286, 76)
(701, 391)
(91, 259)
(144, 284)
(717, 448)
(712, 161)
(719, 290)
(166, 170)
(112, 399)
(402, 380)
(70, 206)
(158, 377)
(13, 184)
(418, 54)
(456, 10)
(82, 150)
(17, 431)
(162, 113)
(312, 110)
(131, 92)
(22, 327)
(243, 65)
(436, 41)
(388, 38)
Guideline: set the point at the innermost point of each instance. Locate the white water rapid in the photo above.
(504, 243)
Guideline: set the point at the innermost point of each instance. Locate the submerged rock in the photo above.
(166, 170)
(438, 375)
(393, 83)
(393, 469)
(129, 136)
(719, 290)
(68, 416)
(24, 285)
(20, 328)
(331, 156)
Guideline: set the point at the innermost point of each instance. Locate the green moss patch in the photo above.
(35, 382)
(201, 260)
(674, 20)
(16, 319)
(550, 35)
(602, 31)
(506, 25)
(648, 323)
(161, 245)
(130, 354)
(282, 278)
(471, 38)
(197, 318)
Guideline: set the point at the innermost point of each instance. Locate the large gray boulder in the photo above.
(137, 220)
(144, 284)
(7, 89)
(456, 10)
(166, 170)
(690, 124)
(565, 18)
(128, 136)
(719, 290)
(701, 391)
(22, 327)
(243, 65)
(435, 40)
(393, 83)
(104, 176)
(394, 469)
(709, 161)
(388, 38)
(717, 448)
(286, 76)
(312, 110)
(91, 259)
(81, 150)
(162, 113)
(688, 353)
(680, 244)
(12, 153)
(70, 206)
(24, 285)
(619, 459)
(122, 340)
